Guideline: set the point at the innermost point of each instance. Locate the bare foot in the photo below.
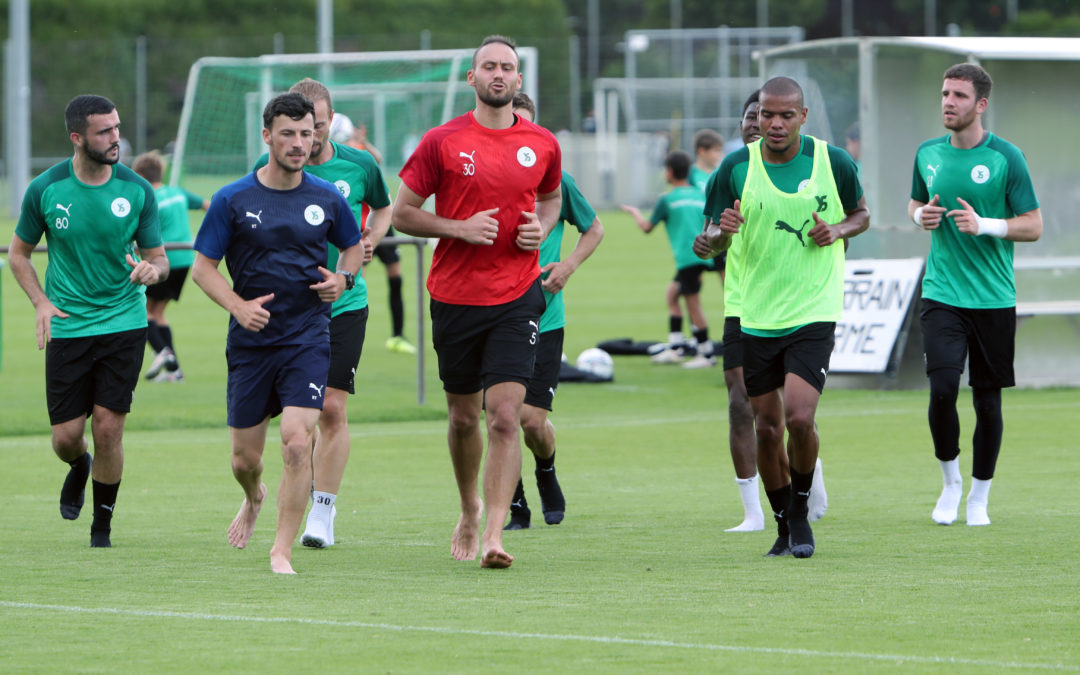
(496, 558)
(243, 525)
(280, 564)
(465, 542)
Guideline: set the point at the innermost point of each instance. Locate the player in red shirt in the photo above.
(496, 179)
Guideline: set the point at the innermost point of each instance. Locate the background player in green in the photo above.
(972, 191)
(357, 176)
(540, 393)
(680, 211)
(708, 151)
(174, 202)
(91, 315)
(781, 194)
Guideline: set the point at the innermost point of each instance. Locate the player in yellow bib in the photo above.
(791, 198)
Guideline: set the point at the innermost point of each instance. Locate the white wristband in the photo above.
(994, 227)
(917, 216)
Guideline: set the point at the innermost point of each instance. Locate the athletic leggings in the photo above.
(945, 423)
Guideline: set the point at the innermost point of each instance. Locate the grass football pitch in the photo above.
(640, 577)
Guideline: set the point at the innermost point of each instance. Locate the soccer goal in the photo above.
(398, 95)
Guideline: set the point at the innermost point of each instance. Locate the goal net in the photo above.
(398, 95)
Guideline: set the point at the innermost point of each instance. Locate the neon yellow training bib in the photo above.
(786, 279)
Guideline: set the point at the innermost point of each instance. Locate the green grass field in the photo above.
(640, 577)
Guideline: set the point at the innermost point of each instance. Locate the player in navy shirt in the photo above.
(272, 228)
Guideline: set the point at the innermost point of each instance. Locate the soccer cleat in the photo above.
(100, 538)
(169, 376)
(520, 515)
(551, 496)
(976, 513)
(779, 547)
(948, 504)
(73, 494)
(671, 355)
(819, 499)
(800, 538)
(700, 361)
(400, 345)
(164, 359)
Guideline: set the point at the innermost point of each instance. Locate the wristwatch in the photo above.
(350, 279)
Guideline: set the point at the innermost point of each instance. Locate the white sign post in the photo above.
(878, 297)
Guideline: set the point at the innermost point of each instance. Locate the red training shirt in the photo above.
(470, 168)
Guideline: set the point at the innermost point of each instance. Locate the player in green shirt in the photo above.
(680, 211)
(91, 315)
(789, 198)
(358, 178)
(540, 392)
(972, 191)
(708, 151)
(174, 203)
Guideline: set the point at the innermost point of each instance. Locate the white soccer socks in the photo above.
(948, 504)
(319, 532)
(753, 517)
(819, 500)
(977, 500)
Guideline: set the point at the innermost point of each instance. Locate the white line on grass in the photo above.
(595, 639)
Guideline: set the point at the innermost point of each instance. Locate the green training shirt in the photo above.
(173, 206)
(680, 212)
(89, 230)
(577, 211)
(699, 178)
(357, 176)
(975, 272)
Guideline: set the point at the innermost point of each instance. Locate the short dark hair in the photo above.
(522, 100)
(706, 139)
(969, 72)
(150, 165)
(494, 39)
(79, 109)
(784, 86)
(679, 162)
(750, 100)
(292, 105)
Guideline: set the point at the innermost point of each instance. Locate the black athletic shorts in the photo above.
(387, 253)
(689, 278)
(96, 370)
(733, 346)
(480, 346)
(986, 337)
(171, 287)
(540, 392)
(347, 332)
(805, 353)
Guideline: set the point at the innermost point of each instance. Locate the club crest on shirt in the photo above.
(121, 207)
(314, 214)
(526, 156)
(980, 174)
(343, 187)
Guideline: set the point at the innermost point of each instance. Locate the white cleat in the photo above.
(976, 514)
(818, 502)
(700, 361)
(668, 356)
(948, 504)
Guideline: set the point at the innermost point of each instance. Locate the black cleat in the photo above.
(100, 539)
(801, 539)
(520, 515)
(551, 496)
(779, 549)
(73, 494)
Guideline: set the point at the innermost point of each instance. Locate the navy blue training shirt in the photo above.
(273, 241)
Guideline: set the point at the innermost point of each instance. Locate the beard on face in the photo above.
(488, 98)
(101, 157)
